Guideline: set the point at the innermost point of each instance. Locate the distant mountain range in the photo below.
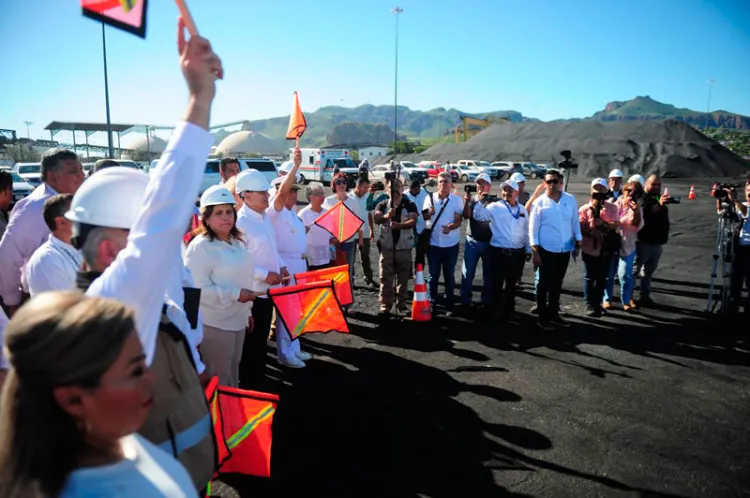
(374, 124)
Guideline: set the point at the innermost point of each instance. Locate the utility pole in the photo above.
(708, 104)
(106, 95)
(398, 11)
(28, 123)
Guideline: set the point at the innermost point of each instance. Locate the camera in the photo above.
(470, 189)
(719, 190)
(389, 175)
(567, 162)
(674, 200)
(489, 198)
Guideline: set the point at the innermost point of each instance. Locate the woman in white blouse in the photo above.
(318, 239)
(222, 269)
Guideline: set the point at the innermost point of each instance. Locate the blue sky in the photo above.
(545, 58)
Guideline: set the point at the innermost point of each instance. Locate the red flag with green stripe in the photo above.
(340, 221)
(309, 307)
(338, 274)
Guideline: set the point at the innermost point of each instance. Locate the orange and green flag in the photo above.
(340, 277)
(297, 121)
(128, 15)
(340, 221)
(242, 423)
(308, 308)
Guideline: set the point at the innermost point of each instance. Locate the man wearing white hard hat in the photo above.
(222, 268)
(509, 246)
(555, 234)
(129, 227)
(477, 246)
(615, 184)
(292, 244)
(523, 196)
(599, 224)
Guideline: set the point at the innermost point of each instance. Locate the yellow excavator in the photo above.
(471, 126)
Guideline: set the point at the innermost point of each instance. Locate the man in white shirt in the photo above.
(443, 212)
(62, 173)
(554, 232)
(417, 195)
(361, 196)
(229, 167)
(260, 239)
(292, 243)
(6, 197)
(509, 245)
(55, 264)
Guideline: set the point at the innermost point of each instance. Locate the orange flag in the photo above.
(308, 308)
(340, 221)
(128, 15)
(338, 274)
(242, 423)
(297, 121)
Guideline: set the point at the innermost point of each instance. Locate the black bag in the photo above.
(611, 242)
(424, 237)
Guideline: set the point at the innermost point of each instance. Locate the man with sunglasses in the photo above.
(554, 233)
(653, 235)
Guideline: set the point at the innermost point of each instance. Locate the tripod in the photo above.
(723, 255)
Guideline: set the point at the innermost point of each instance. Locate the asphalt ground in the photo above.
(653, 403)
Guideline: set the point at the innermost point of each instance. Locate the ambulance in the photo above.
(318, 164)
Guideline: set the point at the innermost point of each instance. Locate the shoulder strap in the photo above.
(445, 205)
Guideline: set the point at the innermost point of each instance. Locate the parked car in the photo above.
(21, 188)
(377, 175)
(508, 167)
(414, 170)
(465, 173)
(482, 167)
(30, 172)
(533, 170)
(434, 168)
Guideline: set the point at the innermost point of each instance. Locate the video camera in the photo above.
(567, 162)
(470, 189)
(719, 190)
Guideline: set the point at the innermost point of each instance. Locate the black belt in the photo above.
(510, 251)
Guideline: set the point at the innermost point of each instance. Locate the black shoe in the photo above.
(534, 310)
(545, 324)
(370, 282)
(559, 321)
(645, 301)
(593, 312)
(510, 316)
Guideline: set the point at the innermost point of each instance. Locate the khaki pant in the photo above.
(221, 351)
(394, 264)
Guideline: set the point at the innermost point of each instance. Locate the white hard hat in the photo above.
(599, 181)
(637, 178)
(286, 167)
(615, 173)
(215, 195)
(111, 198)
(251, 180)
(276, 182)
(517, 177)
(484, 176)
(509, 183)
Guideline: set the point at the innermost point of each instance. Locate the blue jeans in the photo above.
(595, 272)
(442, 258)
(351, 250)
(624, 266)
(473, 251)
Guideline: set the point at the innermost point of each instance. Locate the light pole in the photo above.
(28, 123)
(398, 11)
(708, 104)
(106, 95)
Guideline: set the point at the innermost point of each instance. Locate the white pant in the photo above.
(286, 348)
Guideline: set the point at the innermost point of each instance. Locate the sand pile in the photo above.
(670, 148)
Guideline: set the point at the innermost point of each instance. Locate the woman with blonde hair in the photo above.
(77, 391)
(223, 269)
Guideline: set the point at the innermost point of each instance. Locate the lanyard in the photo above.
(515, 215)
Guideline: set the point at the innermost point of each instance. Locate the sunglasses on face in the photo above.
(553, 181)
(340, 182)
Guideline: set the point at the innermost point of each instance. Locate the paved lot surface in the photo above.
(650, 404)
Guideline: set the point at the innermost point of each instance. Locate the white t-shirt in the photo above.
(146, 471)
(455, 206)
(318, 239)
(418, 201)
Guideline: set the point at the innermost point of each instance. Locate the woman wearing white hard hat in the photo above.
(615, 183)
(223, 269)
(598, 219)
(523, 196)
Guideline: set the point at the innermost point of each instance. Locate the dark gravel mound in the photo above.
(670, 148)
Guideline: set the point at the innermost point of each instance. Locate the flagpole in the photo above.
(397, 11)
(106, 96)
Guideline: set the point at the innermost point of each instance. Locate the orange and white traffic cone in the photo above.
(420, 308)
(691, 195)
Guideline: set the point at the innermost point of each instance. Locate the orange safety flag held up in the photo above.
(297, 121)
(340, 221)
(340, 277)
(308, 308)
(242, 423)
(128, 15)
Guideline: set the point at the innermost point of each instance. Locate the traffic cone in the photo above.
(691, 195)
(420, 308)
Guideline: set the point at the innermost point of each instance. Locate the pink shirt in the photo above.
(592, 237)
(628, 231)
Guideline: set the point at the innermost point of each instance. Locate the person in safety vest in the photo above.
(129, 228)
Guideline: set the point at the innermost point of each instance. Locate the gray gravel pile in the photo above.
(670, 148)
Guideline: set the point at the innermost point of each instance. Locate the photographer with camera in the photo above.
(598, 219)
(509, 244)
(741, 264)
(477, 243)
(653, 235)
(397, 217)
(417, 194)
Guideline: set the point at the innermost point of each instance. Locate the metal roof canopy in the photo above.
(57, 126)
